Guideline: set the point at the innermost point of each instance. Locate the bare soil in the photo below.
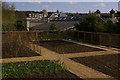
(62, 47)
(54, 76)
(107, 64)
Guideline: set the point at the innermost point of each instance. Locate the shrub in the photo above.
(53, 27)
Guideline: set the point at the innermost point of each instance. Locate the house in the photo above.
(111, 16)
(62, 15)
(56, 15)
(98, 12)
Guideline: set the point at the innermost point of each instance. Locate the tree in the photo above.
(110, 27)
(57, 11)
(88, 23)
(93, 23)
(118, 27)
(19, 26)
(53, 27)
(43, 11)
(101, 27)
(9, 17)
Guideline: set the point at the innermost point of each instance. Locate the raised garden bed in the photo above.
(107, 64)
(61, 47)
(36, 69)
(17, 52)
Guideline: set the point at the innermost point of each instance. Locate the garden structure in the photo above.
(60, 54)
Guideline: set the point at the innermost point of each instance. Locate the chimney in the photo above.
(98, 12)
(112, 12)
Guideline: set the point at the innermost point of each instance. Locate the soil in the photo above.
(54, 76)
(23, 52)
(62, 47)
(107, 64)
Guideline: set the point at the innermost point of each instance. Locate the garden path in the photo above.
(80, 70)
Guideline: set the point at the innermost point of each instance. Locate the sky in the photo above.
(81, 7)
(60, 0)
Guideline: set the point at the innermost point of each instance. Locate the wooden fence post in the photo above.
(36, 36)
(109, 40)
(91, 37)
(99, 39)
(84, 36)
(78, 35)
(72, 35)
(57, 35)
(47, 35)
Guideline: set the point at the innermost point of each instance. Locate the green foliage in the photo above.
(31, 29)
(118, 27)
(16, 70)
(69, 14)
(43, 11)
(88, 23)
(42, 38)
(19, 26)
(73, 14)
(101, 27)
(110, 27)
(53, 27)
(93, 23)
(9, 17)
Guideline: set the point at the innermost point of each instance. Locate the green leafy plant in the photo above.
(42, 37)
(16, 70)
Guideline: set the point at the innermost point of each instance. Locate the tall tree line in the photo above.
(10, 20)
(9, 17)
(92, 23)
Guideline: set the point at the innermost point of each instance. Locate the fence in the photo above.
(106, 39)
(14, 42)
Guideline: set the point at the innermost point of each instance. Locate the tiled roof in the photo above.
(60, 24)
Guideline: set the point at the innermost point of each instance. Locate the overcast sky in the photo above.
(61, 0)
(81, 7)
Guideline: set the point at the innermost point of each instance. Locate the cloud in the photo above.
(100, 5)
(49, 8)
(71, 2)
(34, 2)
(23, 4)
(45, 7)
(49, 0)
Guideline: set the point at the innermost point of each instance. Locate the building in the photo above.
(112, 12)
(98, 12)
(119, 6)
